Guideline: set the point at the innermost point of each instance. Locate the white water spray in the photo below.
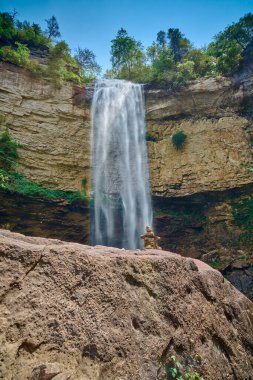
(122, 201)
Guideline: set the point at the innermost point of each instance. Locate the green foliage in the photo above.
(7, 29)
(61, 66)
(172, 61)
(16, 182)
(150, 137)
(175, 370)
(204, 64)
(87, 60)
(178, 139)
(31, 35)
(230, 44)
(53, 29)
(20, 56)
(178, 44)
(18, 38)
(243, 218)
(185, 70)
(8, 151)
(84, 185)
(228, 56)
(126, 55)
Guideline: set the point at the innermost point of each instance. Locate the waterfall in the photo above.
(120, 179)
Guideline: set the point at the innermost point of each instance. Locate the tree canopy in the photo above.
(53, 29)
(126, 54)
(172, 59)
(18, 39)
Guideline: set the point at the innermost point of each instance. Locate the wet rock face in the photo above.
(79, 312)
(36, 216)
(241, 277)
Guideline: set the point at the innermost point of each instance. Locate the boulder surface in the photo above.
(70, 311)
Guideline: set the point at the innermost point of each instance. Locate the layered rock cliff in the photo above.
(70, 311)
(52, 125)
(196, 189)
(218, 150)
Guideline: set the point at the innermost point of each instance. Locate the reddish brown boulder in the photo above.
(99, 313)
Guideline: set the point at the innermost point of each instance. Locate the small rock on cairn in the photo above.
(150, 239)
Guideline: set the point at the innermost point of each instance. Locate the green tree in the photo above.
(53, 30)
(179, 45)
(126, 54)
(87, 60)
(204, 64)
(161, 38)
(7, 29)
(163, 61)
(229, 45)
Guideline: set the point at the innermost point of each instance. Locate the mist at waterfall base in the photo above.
(121, 192)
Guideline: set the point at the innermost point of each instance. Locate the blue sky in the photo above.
(93, 23)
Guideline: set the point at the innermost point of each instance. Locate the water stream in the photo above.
(120, 179)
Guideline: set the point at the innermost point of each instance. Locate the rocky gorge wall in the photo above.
(195, 189)
(52, 125)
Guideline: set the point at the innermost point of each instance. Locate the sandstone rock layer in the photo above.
(99, 313)
(54, 132)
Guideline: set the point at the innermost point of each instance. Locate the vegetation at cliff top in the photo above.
(21, 42)
(16, 182)
(172, 59)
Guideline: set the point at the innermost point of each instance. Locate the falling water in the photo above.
(122, 201)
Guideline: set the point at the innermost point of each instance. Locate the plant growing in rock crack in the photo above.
(178, 139)
(150, 137)
(177, 371)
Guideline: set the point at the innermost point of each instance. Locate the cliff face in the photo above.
(53, 130)
(53, 127)
(217, 153)
(196, 189)
(36, 216)
(76, 312)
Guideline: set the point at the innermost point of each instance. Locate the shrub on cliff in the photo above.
(178, 139)
(61, 66)
(20, 56)
(8, 151)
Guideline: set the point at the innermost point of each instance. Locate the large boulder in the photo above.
(70, 311)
